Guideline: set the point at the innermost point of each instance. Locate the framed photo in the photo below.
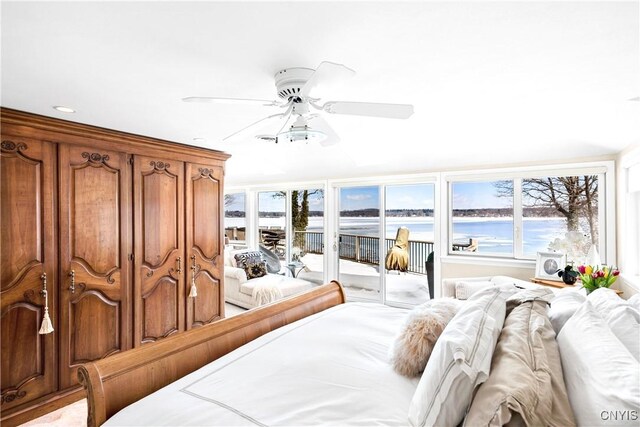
(548, 264)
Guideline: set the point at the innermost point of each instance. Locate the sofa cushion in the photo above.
(255, 269)
(287, 285)
(244, 258)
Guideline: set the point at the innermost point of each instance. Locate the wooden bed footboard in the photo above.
(118, 381)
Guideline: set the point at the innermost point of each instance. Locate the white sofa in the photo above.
(470, 285)
(252, 293)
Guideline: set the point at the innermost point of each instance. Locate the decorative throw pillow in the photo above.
(424, 324)
(460, 361)
(248, 257)
(256, 269)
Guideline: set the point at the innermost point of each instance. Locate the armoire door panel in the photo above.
(95, 190)
(28, 246)
(159, 248)
(206, 304)
(160, 309)
(206, 215)
(204, 201)
(95, 245)
(91, 311)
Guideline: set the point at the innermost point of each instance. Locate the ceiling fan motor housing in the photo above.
(289, 82)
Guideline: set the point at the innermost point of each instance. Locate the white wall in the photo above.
(628, 229)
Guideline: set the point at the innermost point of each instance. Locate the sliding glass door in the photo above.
(307, 243)
(409, 241)
(388, 257)
(359, 242)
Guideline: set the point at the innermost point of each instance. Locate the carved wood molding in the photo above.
(159, 166)
(95, 157)
(206, 172)
(16, 393)
(11, 146)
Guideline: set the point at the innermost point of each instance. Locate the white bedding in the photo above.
(331, 368)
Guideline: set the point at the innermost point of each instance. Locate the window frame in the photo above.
(606, 204)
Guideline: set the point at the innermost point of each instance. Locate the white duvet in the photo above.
(328, 369)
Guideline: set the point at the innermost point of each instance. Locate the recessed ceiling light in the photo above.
(63, 109)
(199, 140)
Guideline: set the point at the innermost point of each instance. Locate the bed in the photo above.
(312, 359)
(122, 379)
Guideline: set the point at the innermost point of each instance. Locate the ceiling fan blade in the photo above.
(316, 122)
(391, 111)
(326, 75)
(241, 101)
(249, 131)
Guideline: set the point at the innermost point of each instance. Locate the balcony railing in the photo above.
(365, 249)
(352, 247)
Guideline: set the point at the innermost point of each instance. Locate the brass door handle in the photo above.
(72, 286)
(43, 292)
(179, 260)
(46, 327)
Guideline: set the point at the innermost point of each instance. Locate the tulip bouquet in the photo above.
(597, 277)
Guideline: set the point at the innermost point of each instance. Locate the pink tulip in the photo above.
(594, 275)
(616, 272)
(581, 269)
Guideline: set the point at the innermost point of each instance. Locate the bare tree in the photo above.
(229, 199)
(299, 212)
(574, 197)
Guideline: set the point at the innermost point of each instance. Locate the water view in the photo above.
(494, 235)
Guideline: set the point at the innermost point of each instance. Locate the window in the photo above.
(235, 222)
(272, 222)
(521, 216)
(482, 217)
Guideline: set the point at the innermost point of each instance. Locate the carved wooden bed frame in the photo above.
(118, 381)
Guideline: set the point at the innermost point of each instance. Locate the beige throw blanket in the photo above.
(525, 386)
(266, 292)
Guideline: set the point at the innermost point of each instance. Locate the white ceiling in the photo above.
(492, 83)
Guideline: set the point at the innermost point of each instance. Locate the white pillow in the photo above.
(634, 301)
(563, 306)
(464, 289)
(623, 319)
(602, 377)
(460, 361)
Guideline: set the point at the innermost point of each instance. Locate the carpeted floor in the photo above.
(75, 415)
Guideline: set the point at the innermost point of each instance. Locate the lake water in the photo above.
(494, 235)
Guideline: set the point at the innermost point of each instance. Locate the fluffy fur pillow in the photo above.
(424, 324)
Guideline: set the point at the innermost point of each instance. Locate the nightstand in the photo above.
(559, 284)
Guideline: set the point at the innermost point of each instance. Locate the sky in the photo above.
(413, 196)
(478, 195)
(466, 195)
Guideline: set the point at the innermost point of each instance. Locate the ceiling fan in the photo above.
(300, 91)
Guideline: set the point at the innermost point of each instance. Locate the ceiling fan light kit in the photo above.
(297, 87)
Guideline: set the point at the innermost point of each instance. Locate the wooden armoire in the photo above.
(116, 228)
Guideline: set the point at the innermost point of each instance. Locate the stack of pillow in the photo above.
(599, 340)
(497, 359)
